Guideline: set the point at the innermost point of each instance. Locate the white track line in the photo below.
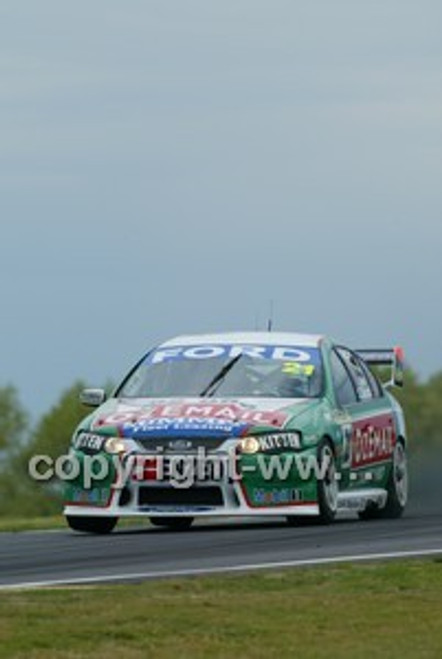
(221, 570)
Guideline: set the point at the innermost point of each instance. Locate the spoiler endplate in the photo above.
(393, 357)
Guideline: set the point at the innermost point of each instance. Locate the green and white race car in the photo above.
(256, 423)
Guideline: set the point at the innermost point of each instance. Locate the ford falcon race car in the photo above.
(257, 423)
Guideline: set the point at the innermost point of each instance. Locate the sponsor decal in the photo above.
(282, 353)
(295, 369)
(347, 433)
(88, 441)
(96, 496)
(276, 496)
(272, 442)
(354, 503)
(229, 417)
(372, 442)
(182, 427)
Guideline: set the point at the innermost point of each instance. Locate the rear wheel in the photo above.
(397, 489)
(100, 525)
(327, 489)
(173, 523)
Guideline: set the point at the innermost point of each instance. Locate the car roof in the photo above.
(248, 338)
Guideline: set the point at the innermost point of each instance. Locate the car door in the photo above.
(369, 420)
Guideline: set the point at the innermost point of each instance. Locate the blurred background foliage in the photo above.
(19, 441)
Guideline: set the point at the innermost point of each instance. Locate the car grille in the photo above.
(180, 467)
(180, 444)
(172, 496)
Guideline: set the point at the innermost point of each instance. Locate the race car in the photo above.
(242, 424)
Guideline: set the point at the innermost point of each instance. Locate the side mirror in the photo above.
(92, 397)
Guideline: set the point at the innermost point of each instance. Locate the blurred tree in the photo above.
(19, 493)
(54, 430)
(412, 398)
(13, 419)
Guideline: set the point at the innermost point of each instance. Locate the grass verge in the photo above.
(376, 610)
(32, 523)
(17, 524)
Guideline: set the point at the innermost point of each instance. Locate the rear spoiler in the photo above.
(393, 357)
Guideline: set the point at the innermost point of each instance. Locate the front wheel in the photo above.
(173, 523)
(397, 489)
(327, 489)
(99, 525)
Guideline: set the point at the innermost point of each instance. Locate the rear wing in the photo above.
(393, 357)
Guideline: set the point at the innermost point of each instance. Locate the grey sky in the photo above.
(170, 167)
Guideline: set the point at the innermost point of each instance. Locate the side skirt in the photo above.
(358, 500)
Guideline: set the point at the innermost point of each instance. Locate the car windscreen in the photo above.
(227, 371)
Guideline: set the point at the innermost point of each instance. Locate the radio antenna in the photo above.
(270, 322)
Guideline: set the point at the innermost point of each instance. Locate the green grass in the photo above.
(376, 610)
(32, 523)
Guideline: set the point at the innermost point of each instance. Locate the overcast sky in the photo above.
(172, 166)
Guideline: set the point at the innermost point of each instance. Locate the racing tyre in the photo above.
(397, 489)
(173, 523)
(327, 490)
(100, 525)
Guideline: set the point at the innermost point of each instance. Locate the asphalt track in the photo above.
(64, 557)
(57, 557)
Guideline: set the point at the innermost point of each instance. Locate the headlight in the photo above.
(114, 445)
(277, 441)
(249, 445)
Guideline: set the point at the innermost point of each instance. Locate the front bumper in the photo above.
(241, 490)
